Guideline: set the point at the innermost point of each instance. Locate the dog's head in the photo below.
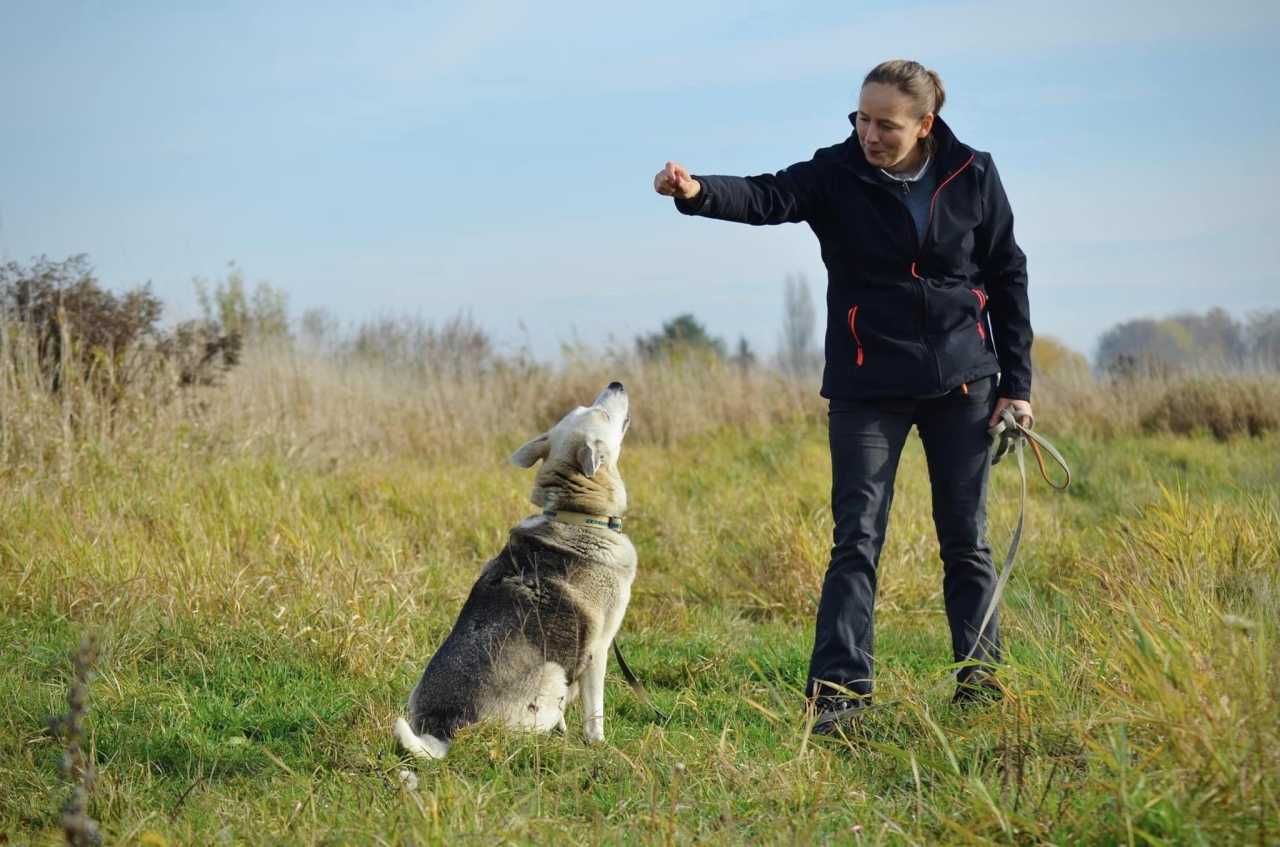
(580, 457)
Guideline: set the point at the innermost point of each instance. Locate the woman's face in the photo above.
(888, 127)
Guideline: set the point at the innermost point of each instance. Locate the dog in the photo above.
(535, 631)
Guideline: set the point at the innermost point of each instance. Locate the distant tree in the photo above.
(744, 357)
(262, 316)
(1142, 346)
(1219, 338)
(796, 353)
(269, 313)
(682, 336)
(319, 328)
(1050, 355)
(458, 347)
(1262, 339)
(1214, 340)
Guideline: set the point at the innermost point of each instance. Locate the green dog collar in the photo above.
(612, 522)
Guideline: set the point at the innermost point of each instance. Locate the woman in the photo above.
(927, 324)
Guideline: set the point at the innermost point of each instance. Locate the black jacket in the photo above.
(905, 318)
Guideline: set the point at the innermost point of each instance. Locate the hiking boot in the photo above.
(838, 714)
(978, 689)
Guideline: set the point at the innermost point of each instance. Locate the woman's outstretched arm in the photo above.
(791, 195)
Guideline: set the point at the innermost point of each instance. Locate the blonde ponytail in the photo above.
(913, 79)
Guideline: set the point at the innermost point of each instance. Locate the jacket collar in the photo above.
(950, 153)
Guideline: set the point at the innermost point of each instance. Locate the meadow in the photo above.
(267, 564)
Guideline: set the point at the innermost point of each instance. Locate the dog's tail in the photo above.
(421, 746)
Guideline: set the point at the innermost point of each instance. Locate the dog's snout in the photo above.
(616, 386)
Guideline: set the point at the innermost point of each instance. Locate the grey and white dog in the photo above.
(535, 631)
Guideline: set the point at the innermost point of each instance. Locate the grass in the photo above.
(265, 595)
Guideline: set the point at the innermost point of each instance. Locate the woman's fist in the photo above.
(674, 181)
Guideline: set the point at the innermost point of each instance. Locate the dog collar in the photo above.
(612, 522)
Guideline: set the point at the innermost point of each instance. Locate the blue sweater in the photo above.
(915, 194)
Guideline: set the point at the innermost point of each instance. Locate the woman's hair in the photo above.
(913, 79)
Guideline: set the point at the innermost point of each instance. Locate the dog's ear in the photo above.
(590, 457)
(532, 451)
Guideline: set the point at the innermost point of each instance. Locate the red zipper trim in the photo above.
(853, 330)
(982, 304)
(934, 199)
(936, 191)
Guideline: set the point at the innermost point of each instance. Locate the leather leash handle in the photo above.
(636, 685)
(1036, 442)
(1009, 432)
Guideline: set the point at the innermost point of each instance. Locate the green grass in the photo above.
(262, 618)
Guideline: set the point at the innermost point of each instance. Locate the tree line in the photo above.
(1212, 341)
(54, 296)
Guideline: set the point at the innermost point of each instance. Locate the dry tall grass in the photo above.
(270, 561)
(335, 407)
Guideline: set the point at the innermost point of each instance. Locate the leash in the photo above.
(634, 681)
(1011, 435)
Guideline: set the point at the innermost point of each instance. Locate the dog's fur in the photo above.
(536, 629)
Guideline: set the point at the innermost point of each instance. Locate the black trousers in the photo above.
(866, 441)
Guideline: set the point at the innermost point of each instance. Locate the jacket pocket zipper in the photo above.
(853, 330)
(982, 305)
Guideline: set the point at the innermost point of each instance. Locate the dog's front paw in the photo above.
(593, 730)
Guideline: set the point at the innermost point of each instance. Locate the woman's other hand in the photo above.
(674, 181)
(1021, 412)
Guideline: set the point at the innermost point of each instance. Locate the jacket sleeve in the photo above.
(791, 195)
(1003, 267)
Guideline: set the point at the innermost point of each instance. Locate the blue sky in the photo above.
(497, 157)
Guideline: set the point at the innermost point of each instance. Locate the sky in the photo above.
(497, 158)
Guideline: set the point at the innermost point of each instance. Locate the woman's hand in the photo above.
(674, 181)
(1021, 412)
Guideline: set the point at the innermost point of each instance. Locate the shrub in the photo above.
(459, 347)
(1050, 356)
(200, 352)
(1224, 406)
(62, 305)
(109, 340)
